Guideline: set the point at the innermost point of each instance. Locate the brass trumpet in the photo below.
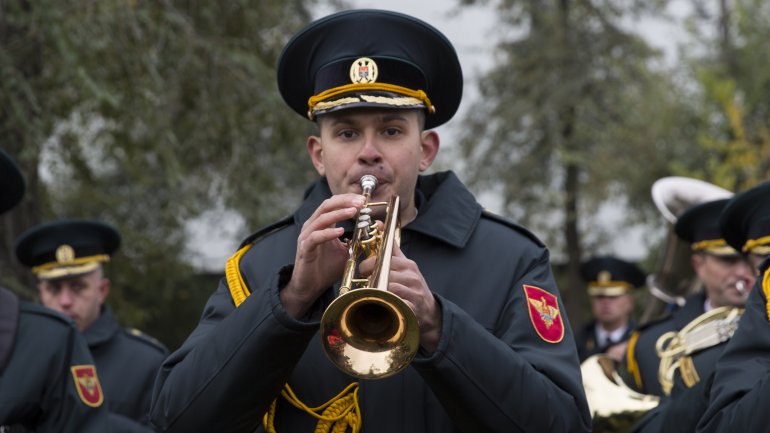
(366, 331)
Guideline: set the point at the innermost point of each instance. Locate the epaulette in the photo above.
(147, 339)
(264, 231)
(486, 213)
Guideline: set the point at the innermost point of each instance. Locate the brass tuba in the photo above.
(614, 406)
(676, 348)
(674, 278)
(366, 331)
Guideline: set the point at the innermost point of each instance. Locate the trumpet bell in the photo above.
(370, 333)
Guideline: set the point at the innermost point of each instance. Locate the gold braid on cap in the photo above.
(419, 95)
(716, 246)
(759, 246)
(609, 288)
(75, 266)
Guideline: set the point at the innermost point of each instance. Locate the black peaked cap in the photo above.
(37, 246)
(409, 53)
(701, 222)
(617, 270)
(11, 181)
(746, 216)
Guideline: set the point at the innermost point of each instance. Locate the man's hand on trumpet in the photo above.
(321, 256)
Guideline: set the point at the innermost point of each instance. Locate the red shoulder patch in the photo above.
(87, 384)
(544, 314)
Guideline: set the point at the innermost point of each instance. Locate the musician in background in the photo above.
(725, 279)
(739, 397)
(611, 283)
(689, 355)
(48, 382)
(67, 259)
(496, 353)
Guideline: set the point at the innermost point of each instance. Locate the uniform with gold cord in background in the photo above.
(739, 397)
(687, 354)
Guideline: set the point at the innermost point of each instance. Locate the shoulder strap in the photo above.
(238, 289)
(9, 320)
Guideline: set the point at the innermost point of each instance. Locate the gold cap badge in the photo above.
(604, 277)
(65, 253)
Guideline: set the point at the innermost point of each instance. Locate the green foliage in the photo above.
(732, 96)
(145, 114)
(575, 90)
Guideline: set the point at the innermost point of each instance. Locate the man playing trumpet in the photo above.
(495, 351)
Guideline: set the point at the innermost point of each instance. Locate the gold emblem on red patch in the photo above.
(544, 314)
(87, 384)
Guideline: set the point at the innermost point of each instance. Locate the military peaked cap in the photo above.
(370, 58)
(610, 276)
(12, 183)
(699, 225)
(745, 221)
(66, 248)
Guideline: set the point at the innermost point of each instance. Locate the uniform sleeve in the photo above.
(122, 424)
(229, 371)
(512, 380)
(65, 408)
(740, 395)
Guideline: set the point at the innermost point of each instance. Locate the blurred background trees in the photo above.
(152, 115)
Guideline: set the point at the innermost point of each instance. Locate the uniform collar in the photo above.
(447, 211)
(103, 328)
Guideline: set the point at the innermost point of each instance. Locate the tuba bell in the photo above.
(367, 331)
(614, 406)
(674, 278)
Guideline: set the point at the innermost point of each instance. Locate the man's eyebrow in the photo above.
(393, 116)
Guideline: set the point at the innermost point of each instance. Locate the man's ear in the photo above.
(315, 150)
(429, 148)
(104, 288)
(697, 261)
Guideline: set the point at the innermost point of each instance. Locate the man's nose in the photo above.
(370, 152)
(65, 297)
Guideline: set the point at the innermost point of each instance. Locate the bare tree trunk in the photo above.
(574, 295)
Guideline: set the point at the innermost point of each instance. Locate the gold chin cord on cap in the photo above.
(78, 266)
(417, 95)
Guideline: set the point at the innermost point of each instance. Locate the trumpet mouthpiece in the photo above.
(368, 183)
(741, 287)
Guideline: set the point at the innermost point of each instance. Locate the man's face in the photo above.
(612, 311)
(387, 143)
(80, 297)
(721, 277)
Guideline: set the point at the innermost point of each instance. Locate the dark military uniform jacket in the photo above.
(585, 339)
(38, 350)
(642, 360)
(740, 394)
(127, 363)
(491, 372)
(681, 411)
